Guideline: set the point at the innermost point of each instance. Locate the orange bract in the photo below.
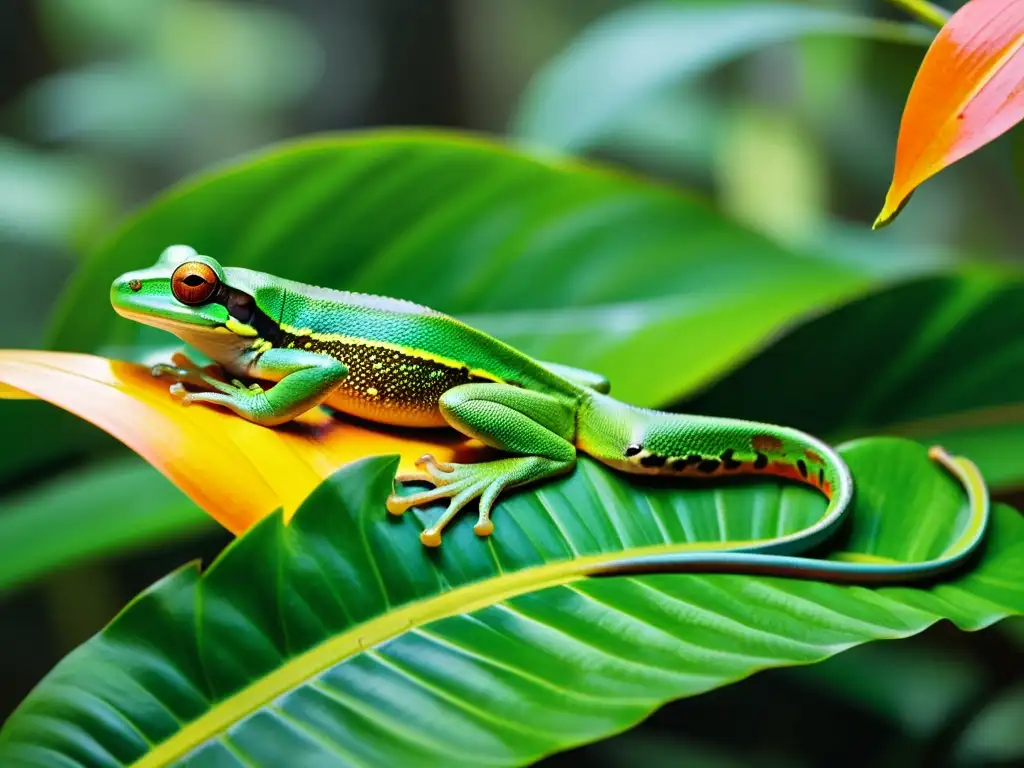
(969, 90)
(235, 470)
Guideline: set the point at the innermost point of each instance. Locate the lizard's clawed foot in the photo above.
(459, 482)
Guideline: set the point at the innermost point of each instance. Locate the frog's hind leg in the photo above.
(537, 427)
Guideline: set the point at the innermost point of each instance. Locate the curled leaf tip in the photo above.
(891, 209)
(883, 219)
(968, 91)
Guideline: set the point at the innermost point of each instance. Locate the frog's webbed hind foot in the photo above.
(464, 482)
(536, 428)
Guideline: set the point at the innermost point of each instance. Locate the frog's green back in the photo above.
(354, 327)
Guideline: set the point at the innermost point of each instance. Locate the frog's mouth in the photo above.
(194, 323)
(216, 341)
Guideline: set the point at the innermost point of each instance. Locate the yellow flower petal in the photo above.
(235, 470)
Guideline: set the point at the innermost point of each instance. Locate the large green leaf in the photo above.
(340, 640)
(937, 359)
(90, 512)
(584, 265)
(627, 57)
(31, 429)
(467, 226)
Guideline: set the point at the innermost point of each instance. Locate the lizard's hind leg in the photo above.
(536, 426)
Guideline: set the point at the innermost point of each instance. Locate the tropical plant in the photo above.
(325, 630)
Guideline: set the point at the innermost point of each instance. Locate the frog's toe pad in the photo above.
(396, 505)
(430, 538)
(178, 392)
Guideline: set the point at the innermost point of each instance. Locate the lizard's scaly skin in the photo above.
(401, 363)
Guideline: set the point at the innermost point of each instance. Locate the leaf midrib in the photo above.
(298, 669)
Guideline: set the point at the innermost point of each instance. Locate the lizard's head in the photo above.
(182, 292)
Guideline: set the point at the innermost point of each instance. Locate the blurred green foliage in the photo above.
(105, 102)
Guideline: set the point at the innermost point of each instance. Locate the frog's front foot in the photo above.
(186, 373)
(183, 371)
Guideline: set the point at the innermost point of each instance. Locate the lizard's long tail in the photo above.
(643, 441)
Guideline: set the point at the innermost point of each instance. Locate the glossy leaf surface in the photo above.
(629, 56)
(607, 270)
(968, 91)
(340, 640)
(933, 359)
(235, 470)
(573, 263)
(568, 262)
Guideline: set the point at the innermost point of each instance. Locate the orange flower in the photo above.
(235, 470)
(969, 90)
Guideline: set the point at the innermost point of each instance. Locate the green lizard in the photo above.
(395, 362)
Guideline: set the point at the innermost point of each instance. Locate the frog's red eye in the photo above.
(193, 282)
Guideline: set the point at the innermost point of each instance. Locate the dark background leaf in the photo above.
(935, 359)
(577, 99)
(557, 250)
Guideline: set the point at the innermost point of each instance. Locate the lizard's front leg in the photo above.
(303, 381)
(537, 427)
